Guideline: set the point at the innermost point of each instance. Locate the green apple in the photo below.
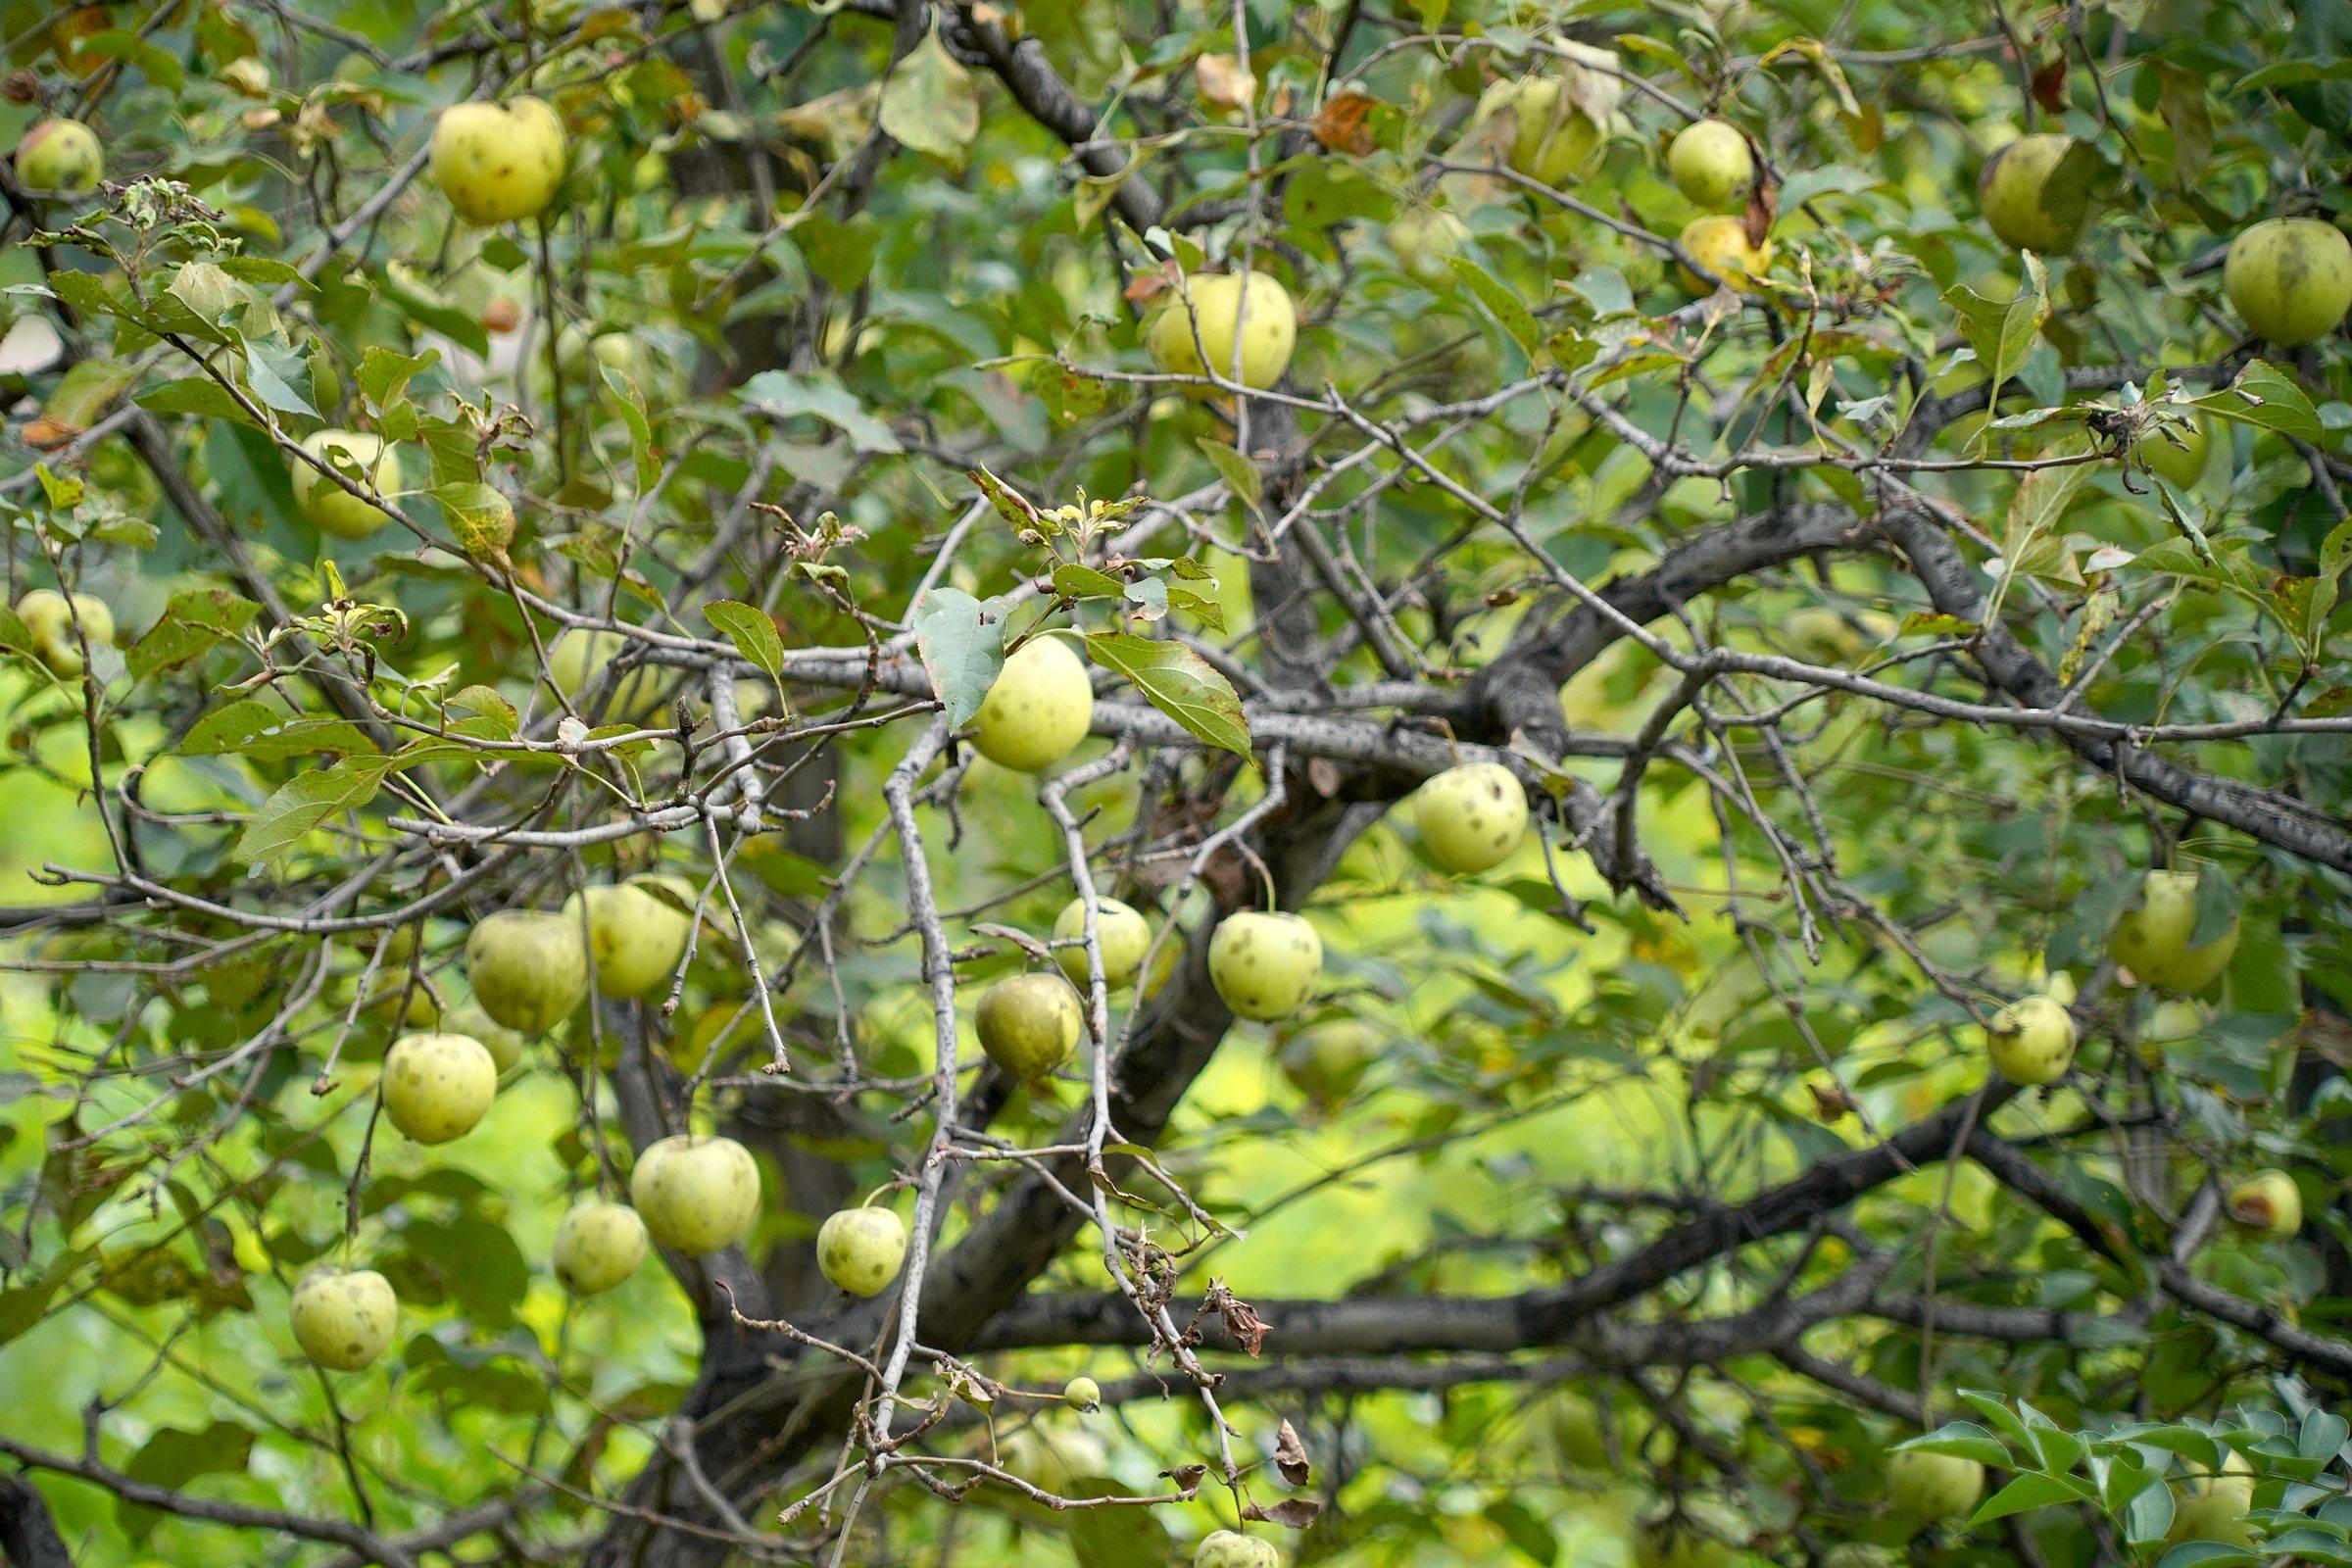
(528, 969)
(332, 508)
(1264, 965)
(2036, 193)
(504, 1043)
(1423, 238)
(1210, 311)
(343, 1321)
(637, 937)
(1933, 1486)
(2210, 1507)
(1324, 1060)
(1124, 934)
(2153, 938)
(1711, 162)
(1554, 118)
(597, 1245)
(1472, 817)
(49, 618)
(1226, 1548)
(2032, 1041)
(859, 1249)
(1037, 710)
(1029, 1024)
(496, 161)
(2290, 278)
(2267, 1204)
(576, 663)
(60, 157)
(436, 1087)
(1083, 1394)
(696, 1194)
(1719, 243)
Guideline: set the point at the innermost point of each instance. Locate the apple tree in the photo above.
(959, 783)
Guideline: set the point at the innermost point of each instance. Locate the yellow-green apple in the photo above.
(696, 1195)
(1264, 965)
(1029, 1024)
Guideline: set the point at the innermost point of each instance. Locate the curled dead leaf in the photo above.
(1297, 1513)
(1224, 82)
(1339, 125)
(43, 434)
(1290, 1455)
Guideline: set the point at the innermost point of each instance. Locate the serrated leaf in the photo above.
(251, 727)
(1180, 683)
(960, 641)
(1240, 475)
(1505, 305)
(304, 801)
(930, 103)
(751, 631)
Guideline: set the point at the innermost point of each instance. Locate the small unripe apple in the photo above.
(636, 936)
(1422, 238)
(1671, 1542)
(343, 1321)
(1216, 307)
(49, 618)
(528, 969)
(859, 1249)
(1083, 1394)
(1719, 243)
(1324, 1060)
(467, 1019)
(1711, 162)
(2290, 278)
(2153, 940)
(1029, 1024)
(1123, 934)
(2210, 1507)
(1556, 116)
(598, 1244)
(2032, 1041)
(1472, 817)
(1933, 1486)
(2182, 464)
(1264, 965)
(1226, 1548)
(436, 1087)
(60, 157)
(575, 666)
(1037, 707)
(2267, 1204)
(2036, 193)
(496, 161)
(696, 1195)
(329, 507)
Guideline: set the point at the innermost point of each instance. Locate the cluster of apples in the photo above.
(2288, 278)
(693, 1194)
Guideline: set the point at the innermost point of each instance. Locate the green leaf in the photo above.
(304, 801)
(751, 631)
(784, 395)
(1180, 683)
(1505, 305)
(172, 1458)
(199, 395)
(960, 641)
(264, 733)
(384, 376)
(1240, 475)
(2032, 1492)
(191, 625)
(1074, 581)
(2001, 333)
(2264, 397)
(1964, 1438)
(930, 103)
